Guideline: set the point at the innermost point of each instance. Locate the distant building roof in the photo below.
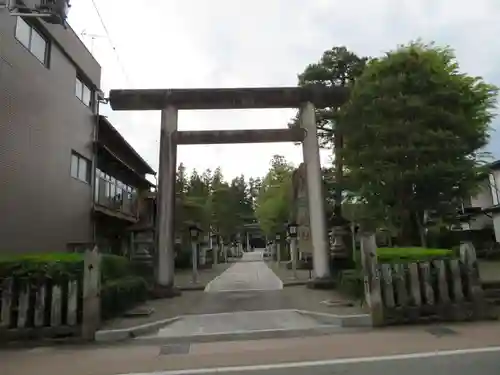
(146, 168)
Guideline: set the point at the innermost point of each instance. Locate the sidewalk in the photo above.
(124, 359)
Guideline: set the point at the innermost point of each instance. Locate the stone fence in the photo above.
(435, 290)
(69, 307)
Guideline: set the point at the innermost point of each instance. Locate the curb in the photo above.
(242, 335)
(344, 321)
(132, 332)
(330, 324)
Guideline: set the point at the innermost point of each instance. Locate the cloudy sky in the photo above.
(231, 43)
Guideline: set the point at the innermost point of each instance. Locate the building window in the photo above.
(83, 92)
(80, 167)
(32, 40)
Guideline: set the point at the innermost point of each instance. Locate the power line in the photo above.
(111, 43)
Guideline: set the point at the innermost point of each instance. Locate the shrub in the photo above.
(56, 266)
(351, 283)
(183, 259)
(115, 267)
(144, 269)
(407, 254)
(122, 294)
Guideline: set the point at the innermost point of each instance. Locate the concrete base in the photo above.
(132, 332)
(253, 325)
(321, 283)
(243, 325)
(161, 291)
(246, 336)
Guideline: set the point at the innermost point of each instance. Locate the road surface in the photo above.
(485, 361)
(472, 349)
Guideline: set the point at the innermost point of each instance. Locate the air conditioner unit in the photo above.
(56, 10)
(52, 11)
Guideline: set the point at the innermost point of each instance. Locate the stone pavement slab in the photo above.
(238, 321)
(198, 302)
(249, 274)
(184, 277)
(286, 275)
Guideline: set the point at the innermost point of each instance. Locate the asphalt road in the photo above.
(465, 362)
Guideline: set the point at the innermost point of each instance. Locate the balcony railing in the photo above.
(114, 197)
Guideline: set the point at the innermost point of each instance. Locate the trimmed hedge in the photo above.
(351, 283)
(122, 294)
(56, 266)
(122, 288)
(405, 254)
(59, 266)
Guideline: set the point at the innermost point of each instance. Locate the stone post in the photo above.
(310, 149)
(165, 236)
(91, 314)
(194, 260)
(371, 277)
(294, 255)
(215, 251)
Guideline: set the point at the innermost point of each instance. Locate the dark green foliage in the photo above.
(273, 203)
(413, 128)
(115, 267)
(337, 67)
(122, 294)
(55, 266)
(144, 269)
(350, 282)
(183, 259)
(121, 288)
(209, 201)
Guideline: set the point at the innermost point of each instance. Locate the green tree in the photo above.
(413, 127)
(337, 67)
(196, 201)
(213, 203)
(222, 213)
(272, 205)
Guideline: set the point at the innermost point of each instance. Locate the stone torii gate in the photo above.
(170, 101)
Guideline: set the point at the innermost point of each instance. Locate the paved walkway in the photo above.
(251, 274)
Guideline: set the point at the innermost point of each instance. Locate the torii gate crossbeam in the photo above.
(170, 101)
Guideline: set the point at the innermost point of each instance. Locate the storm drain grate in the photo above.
(175, 349)
(441, 331)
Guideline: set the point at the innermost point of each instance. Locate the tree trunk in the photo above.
(409, 233)
(421, 229)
